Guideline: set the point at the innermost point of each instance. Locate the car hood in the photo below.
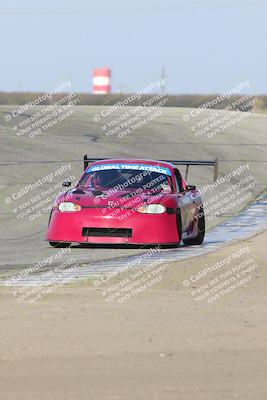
(105, 198)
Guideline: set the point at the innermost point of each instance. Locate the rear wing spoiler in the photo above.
(214, 164)
(188, 163)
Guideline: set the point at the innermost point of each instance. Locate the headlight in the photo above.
(68, 206)
(152, 209)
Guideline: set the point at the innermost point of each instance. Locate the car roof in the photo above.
(133, 161)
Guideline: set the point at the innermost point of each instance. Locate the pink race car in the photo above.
(129, 201)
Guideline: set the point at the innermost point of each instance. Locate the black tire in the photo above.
(59, 244)
(201, 230)
(179, 225)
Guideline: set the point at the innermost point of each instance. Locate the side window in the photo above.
(178, 180)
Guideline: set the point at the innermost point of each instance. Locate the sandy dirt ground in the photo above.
(159, 344)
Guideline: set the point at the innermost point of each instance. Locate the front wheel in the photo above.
(200, 230)
(59, 244)
(179, 226)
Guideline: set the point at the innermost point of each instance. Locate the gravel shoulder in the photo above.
(159, 344)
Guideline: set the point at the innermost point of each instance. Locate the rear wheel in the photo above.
(179, 225)
(201, 230)
(59, 244)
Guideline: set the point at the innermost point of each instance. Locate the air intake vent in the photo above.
(107, 232)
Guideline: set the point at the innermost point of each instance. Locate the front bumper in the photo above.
(145, 228)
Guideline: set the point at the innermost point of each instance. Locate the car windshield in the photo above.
(128, 177)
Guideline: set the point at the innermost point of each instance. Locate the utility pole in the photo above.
(163, 80)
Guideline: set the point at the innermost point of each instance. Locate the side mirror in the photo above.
(190, 187)
(66, 183)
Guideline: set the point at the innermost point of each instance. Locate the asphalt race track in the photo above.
(26, 160)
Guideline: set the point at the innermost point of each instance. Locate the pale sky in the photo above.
(206, 46)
